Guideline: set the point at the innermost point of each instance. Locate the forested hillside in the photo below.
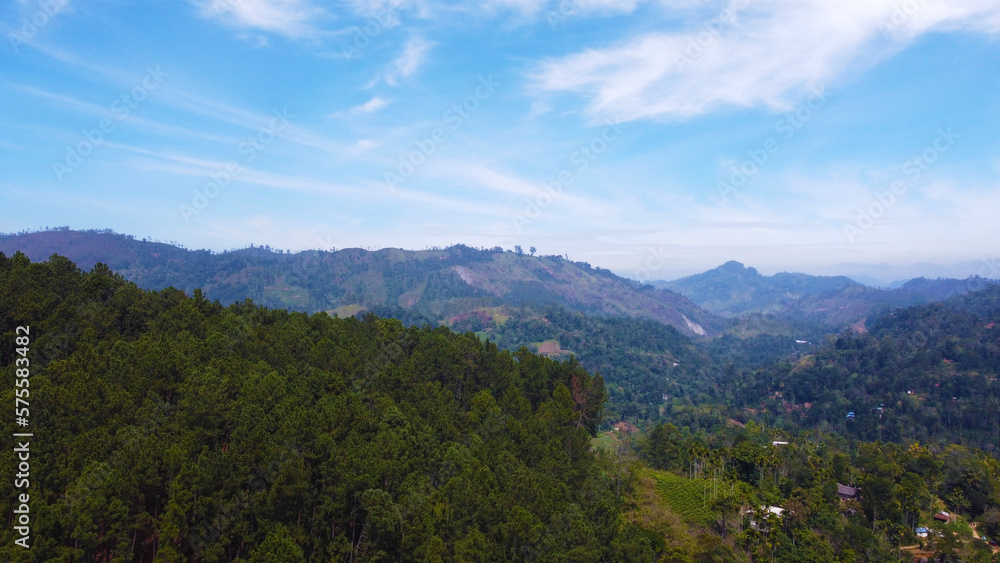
(169, 427)
(932, 367)
(173, 428)
(811, 497)
(648, 367)
(926, 373)
(644, 362)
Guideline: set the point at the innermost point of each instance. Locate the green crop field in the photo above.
(604, 440)
(684, 496)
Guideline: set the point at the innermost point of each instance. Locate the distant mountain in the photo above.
(435, 284)
(852, 305)
(870, 281)
(736, 290)
(733, 289)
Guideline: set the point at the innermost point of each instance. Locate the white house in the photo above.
(768, 512)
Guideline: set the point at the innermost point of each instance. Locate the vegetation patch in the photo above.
(685, 496)
(346, 311)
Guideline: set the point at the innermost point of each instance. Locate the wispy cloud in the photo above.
(564, 8)
(182, 165)
(291, 18)
(370, 7)
(73, 104)
(371, 106)
(481, 177)
(656, 60)
(251, 120)
(409, 61)
(764, 53)
(201, 106)
(257, 40)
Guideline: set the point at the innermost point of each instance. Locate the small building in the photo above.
(847, 493)
(921, 532)
(768, 511)
(943, 516)
(777, 443)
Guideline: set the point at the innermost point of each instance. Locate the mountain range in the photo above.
(438, 285)
(445, 286)
(734, 290)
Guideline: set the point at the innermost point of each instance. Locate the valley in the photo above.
(420, 373)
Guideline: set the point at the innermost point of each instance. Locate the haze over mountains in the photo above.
(437, 284)
(443, 285)
(733, 289)
(652, 344)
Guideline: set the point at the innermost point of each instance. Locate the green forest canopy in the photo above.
(172, 428)
(168, 424)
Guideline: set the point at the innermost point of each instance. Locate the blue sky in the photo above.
(654, 138)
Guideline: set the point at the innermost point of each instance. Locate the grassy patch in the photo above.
(667, 532)
(604, 440)
(684, 496)
(345, 311)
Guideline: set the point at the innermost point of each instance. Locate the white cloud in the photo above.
(763, 53)
(371, 106)
(292, 18)
(563, 8)
(482, 176)
(367, 144)
(409, 62)
(378, 8)
(74, 104)
(257, 40)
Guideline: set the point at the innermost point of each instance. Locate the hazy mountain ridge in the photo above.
(733, 290)
(855, 303)
(438, 283)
